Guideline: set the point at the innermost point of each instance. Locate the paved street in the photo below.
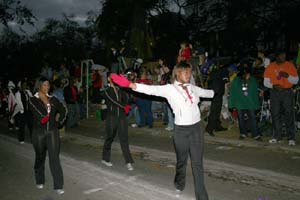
(86, 178)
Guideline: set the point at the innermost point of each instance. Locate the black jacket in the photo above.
(115, 105)
(25, 100)
(39, 110)
(113, 58)
(218, 80)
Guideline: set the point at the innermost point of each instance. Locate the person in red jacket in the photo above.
(97, 84)
(184, 52)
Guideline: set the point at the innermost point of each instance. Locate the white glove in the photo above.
(12, 120)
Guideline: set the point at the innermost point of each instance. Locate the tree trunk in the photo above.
(139, 37)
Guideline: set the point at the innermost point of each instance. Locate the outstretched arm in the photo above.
(204, 92)
(122, 81)
(157, 90)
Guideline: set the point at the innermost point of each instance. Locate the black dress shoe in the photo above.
(210, 132)
(242, 137)
(258, 138)
(220, 129)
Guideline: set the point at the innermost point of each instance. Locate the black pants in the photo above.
(215, 111)
(282, 111)
(17, 119)
(116, 125)
(73, 115)
(188, 140)
(10, 125)
(25, 119)
(96, 95)
(43, 142)
(243, 122)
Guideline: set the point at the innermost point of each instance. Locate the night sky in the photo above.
(44, 9)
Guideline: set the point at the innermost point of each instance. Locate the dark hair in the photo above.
(43, 79)
(279, 51)
(39, 82)
(57, 83)
(142, 71)
(243, 71)
(164, 61)
(108, 73)
(262, 51)
(260, 59)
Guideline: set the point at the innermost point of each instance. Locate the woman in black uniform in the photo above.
(116, 123)
(45, 135)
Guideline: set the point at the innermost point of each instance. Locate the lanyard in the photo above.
(189, 95)
(48, 108)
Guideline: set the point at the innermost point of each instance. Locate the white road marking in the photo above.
(92, 190)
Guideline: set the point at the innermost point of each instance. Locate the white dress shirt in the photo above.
(266, 62)
(186, 111)
(19, 107)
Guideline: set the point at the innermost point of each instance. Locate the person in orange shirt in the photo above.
(280, 76)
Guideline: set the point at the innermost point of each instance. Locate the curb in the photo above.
(281, 147)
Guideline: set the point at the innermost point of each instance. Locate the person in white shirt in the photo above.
(15, 106)
(26, 115)
(188, 136)
(11, 100)
(265, 61)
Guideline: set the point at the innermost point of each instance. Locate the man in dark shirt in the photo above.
(218, 78)
(71, 98)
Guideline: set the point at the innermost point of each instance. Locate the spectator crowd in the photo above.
(249, 90)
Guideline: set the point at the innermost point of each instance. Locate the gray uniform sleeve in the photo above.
(267, 83)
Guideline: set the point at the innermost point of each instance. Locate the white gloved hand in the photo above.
(12, 120)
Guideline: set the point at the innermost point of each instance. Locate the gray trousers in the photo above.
(73, 115)
(48, 141)
(116, 125)
(188, 140)
(282, 111)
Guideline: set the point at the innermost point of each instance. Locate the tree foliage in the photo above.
(250, 22)
(58, 41)
(13, 10)
(150, 27)
(127, 19)
(64, 39)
